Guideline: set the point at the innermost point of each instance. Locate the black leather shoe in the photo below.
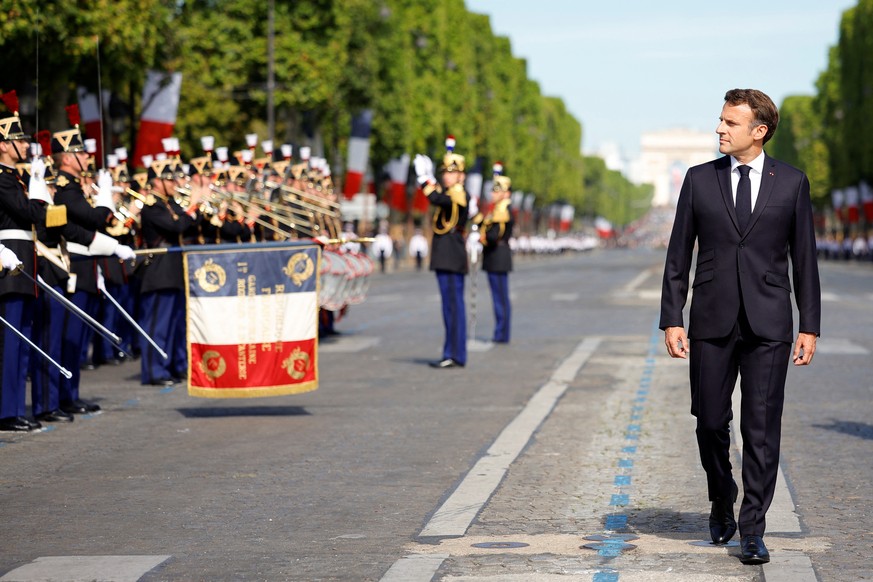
(18, 424)
(164, 382)
(722, 525)
(753, 550)
(447, 363)
(55, 416)
(79, 407)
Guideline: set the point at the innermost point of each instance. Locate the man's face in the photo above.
(162, 187)
(452, 178)
(15, 149)
(737, 136)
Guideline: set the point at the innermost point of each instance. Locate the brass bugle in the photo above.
(117, 213)
(129, 192)
(296, 192)
(289, 221)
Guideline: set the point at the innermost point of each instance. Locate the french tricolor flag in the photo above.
(359, 153)
(398, 172)
(92, 119)
(160, 104)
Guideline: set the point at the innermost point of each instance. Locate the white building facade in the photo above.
(665, 156)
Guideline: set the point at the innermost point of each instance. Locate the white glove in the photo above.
(104, 191)
(473, 209)
(36, 189)
(8, 259)
(103, 245)
(101, 282)
(125, 253)
(423, 169)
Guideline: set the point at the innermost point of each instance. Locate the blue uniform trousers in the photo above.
(18, 311)
(48, 334)
(454, 315)
(113, 320)
(499, 283)
(164, 321)
(76, 334)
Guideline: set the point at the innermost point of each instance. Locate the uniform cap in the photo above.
(452, 162)
(163, 169)
(69, 140)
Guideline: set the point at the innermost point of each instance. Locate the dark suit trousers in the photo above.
(762, 366)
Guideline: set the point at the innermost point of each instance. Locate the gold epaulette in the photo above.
(501, 211)
(55, 215)
(62, 182)
(458, 195)
(117, 229)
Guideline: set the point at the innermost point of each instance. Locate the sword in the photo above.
(66, 373)
(130, 319)
(90, 321)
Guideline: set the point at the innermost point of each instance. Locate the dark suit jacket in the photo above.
(743, 268)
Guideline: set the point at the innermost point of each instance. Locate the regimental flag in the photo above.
(252, 321)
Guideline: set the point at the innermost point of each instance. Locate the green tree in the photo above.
(126, 37)
(799, 142)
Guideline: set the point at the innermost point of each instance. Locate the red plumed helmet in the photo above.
(73, 114)
(11, 101)
(44, 138)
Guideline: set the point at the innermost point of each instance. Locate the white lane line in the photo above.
(457, 512)
(637, 281)
(794, 567)
(569, 297)
(414, 567)
(116, 568)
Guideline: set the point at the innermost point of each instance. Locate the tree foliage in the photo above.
(426, 68)
(799, 141)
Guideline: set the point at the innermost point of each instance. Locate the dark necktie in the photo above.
(744, 198)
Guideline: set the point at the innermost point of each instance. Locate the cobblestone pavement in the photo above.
(338, 484)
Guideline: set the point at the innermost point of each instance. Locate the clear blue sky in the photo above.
(624, 67)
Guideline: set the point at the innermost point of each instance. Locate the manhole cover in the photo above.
(500, 545)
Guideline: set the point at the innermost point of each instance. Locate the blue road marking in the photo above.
(622, 480)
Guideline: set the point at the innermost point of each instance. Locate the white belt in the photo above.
(77, 249)
(15, 234)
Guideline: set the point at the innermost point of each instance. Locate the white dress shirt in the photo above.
(757, 166)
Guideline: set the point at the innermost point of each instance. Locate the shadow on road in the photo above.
(213, 412)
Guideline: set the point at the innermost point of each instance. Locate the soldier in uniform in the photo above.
(86, 218)
(162, 275)
(448, 256)
(495, 230)
(18, 213)
(418, 248)
(116, 273)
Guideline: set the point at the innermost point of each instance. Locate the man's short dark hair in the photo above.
(762, 107)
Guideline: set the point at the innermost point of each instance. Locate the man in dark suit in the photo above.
(749, 214)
